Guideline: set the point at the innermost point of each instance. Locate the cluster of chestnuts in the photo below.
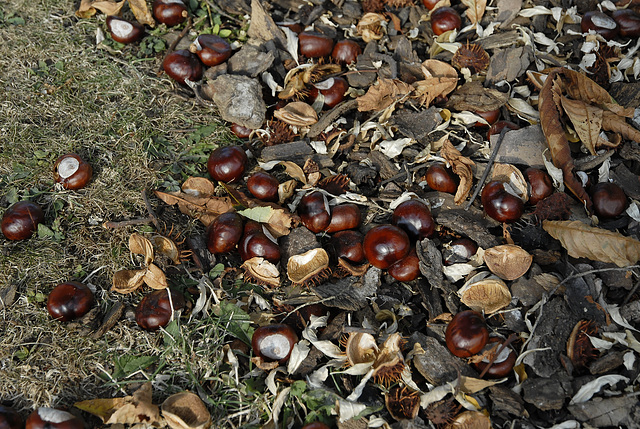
(40, 418)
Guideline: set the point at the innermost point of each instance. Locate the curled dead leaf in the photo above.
(142, 13)
(487, 295)
(298, 114)
(475, 9)
(205, 209)
(462, 166)
(383, 94)
(508, 261)
(131, 410)
(88, 8)
(198, 187)
(440, 79)
(185, 410)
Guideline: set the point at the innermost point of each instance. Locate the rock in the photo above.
(250, 61)
(547, 393)
(239, 99)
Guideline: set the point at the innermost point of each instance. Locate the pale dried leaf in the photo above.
(586, 119)
(201, 208)
(475, 9)
(198, 187)
(294, 170)
(473, 385)
(88, 8)
(383, 94)
(279, 221)
(462, 166)
(591, 388)
(618, 124)
(155, 278)
(141, 246)
(298, 355)
(185, 410)
(583, 241)
(298, 114)
(137, 408)
(508, 261)
(440, 79)
(141, 12)
(127, 281)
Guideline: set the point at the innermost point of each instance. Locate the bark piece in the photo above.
(628, 181)
(547, 393)
(437, 364)
(8, 296)
(509, 64)
(627, 94)
(621, 411)
(417, 125)
(505, 399)
(113, 315)
(606, 363)
(350, 293)
(263, 28)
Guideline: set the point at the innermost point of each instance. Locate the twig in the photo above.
(123, 223)
(152, 214)
(505, 344)
(223, 13)
(173, 45)
(631, 293)
(403, 174)
(492, 158)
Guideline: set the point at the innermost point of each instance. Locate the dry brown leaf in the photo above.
(185, 410)
(155, 278)
(462, 166)
(471, 420)
(298, 113)
(487, 295)
(203, 209)
(473, 96)
(508, 261)
(383, 94)
(134, 409)
(294, 170)
(617, 124)
(141, 246)
(475, 9)
(586, 119)
(88, 8)
(472, 385)
(141, 12)
(440, 79)
(583, 241)
(198, 187)
(278, 220)
(127, 281)
(580, 87)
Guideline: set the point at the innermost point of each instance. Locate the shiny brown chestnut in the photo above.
(314, 212)
(460, 250)
(21, 220)
(155, 309)
(315, 425)
(72, 171)
(224, 233)
(274, 343)
(348, 245)
(211, 49)
(500, 204)
(609, 200)
(69, 301)
(263, 186)
(240, 131)
(601, 23)
(181, 65)
(407, 268)
(227, 163)
(491, 116)
(499, 126)
(314, 45)
(541, 184)
(629, 22)
(170, 12)
(384, 245)
(466, 334)
(502, 364)
(52, 418)
(430, 4)
(10, 419)
(255, 243)
(439, 178)
(346, 52)
(124, 31)
(444, 19)
(344, 216)
(414, 217)
(333, 90)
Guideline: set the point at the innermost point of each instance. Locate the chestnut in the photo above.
(502, 364)
(491, 116)
(333, 90)
(430, 4)
(21, 220)
(315, 425)
(211, 49)
(407, 268)
(601, 23)
(170, 12)
(629, 22)
(439, 178)
(240, 131)
(314, 212)
(224, 233)
(460, 250)
(181, 65)
(10, 419)
(155, 309)
(255, 243)
(123, 31)
(444, 19)
(541, 184)
(346, 52)
(70, 300)
(348, 245)
(274, 342)
(263, 186)
(384, 245)
(227, 163)
(466, 334)
(344, 216)
(609, 200)
(500, 204)
(414, 217)
(314, 45)
(499, 126)
(52, 418)
(72, 171)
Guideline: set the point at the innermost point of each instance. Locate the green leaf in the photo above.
(126, 365)
(216, 271)
(236, 321)
(44, 231)
(298, 388)
(16, 20)
(259, 214)
(172, 332)
(215, 29)
(225, 33)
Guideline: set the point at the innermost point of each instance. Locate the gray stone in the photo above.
(239, 100)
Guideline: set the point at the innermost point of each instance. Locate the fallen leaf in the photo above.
(474, 97)
(583, 241)
(277, 220)
(185, 410)
(298, 113)
(205, 209)
(586, 119)
(508, 261)
(475, 9)
(383, 94)
(141, 12)
(88, 8)
(198, 187)
(473, 385)
(462, 167)
(134, 409)
(127, 281)
(440, 79)
(617, 124)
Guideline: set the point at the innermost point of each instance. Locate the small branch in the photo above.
(152, 214)
(505, 344)
(123, 223)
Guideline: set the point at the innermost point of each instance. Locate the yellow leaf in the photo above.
(141, 12)
(586, 119)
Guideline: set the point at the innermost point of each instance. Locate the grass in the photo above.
(62, 93)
